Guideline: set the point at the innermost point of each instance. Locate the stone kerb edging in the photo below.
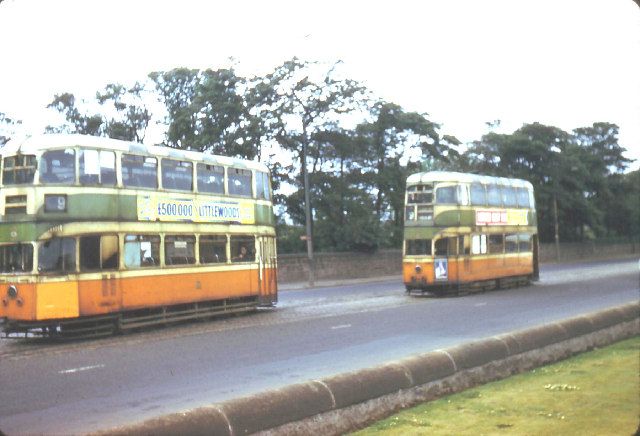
(344, 402)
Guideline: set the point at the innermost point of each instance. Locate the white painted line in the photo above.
(84, 368)
(480, 304)
(341, 326)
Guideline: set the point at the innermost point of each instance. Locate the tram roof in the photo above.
(36, 143)
(450, 176)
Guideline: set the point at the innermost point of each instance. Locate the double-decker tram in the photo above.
(465, 232)
(99, 235)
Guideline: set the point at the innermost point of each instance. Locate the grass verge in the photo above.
(595, 393)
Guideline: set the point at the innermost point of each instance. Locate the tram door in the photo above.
(268, 285)
(99, 253)
(445, 266)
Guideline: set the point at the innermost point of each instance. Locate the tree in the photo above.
(122, 113)
(392, 144)
(7, 128)
(208, 111)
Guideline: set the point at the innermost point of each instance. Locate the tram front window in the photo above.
(16, 258)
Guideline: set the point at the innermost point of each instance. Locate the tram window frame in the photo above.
(58, 167)
(174, 245)
(525, 244)
(101, 165)
(418, 247)
(60, 254)
(210, 252)
(463, 195)
(511, 243)
(207, 178)
(19, 169)
(177, 175)
(478, 198)
(464, 246)
(446, 246)
(450, 198)
(495, 243)
(12, 255)
(262, 185)
(410, 213)
(147, 167)
(420, 194)
(479, 244)
(424, 212)
(136, 246)
(494, 195)
(103, 252)
(239, 182)
(236, 242)
(523, 198)
(509, 198)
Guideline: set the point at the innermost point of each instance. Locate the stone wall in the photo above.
(339, 266)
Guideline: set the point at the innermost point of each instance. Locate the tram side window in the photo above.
(447, 195)
(180, 250)
(210, 178)
(213, 249)
(464, 246)
(141, 251)
(139, 171)
(509, 198)
(523, 198)
(494, 196)
(418, 247)
(58, 166)
(511, 243)
(524, 242)
(16, 258)
(57, 255)
(243, 248)
(410, 213)
(98, 252)
(446, 246)
(18, 169)
(478, 195)
(420, 194)
(262, 185)
(496, 244)
(177, 174)
(239, 182)
(97, 167)
(479, 244)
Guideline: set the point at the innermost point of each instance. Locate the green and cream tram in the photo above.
(98, 235)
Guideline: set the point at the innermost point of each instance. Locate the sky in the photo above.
(566, 63)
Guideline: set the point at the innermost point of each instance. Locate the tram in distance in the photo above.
(466, 232)
(99, 235)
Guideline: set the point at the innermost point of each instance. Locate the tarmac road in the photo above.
(95, 385)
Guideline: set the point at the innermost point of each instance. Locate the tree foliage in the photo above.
(358, 150)
(118, 112)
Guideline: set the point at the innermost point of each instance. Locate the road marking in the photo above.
(341, 326)
(480, 304)
(84, 368)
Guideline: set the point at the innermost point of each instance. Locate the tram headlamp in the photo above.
(418, 269)
(12, 291)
